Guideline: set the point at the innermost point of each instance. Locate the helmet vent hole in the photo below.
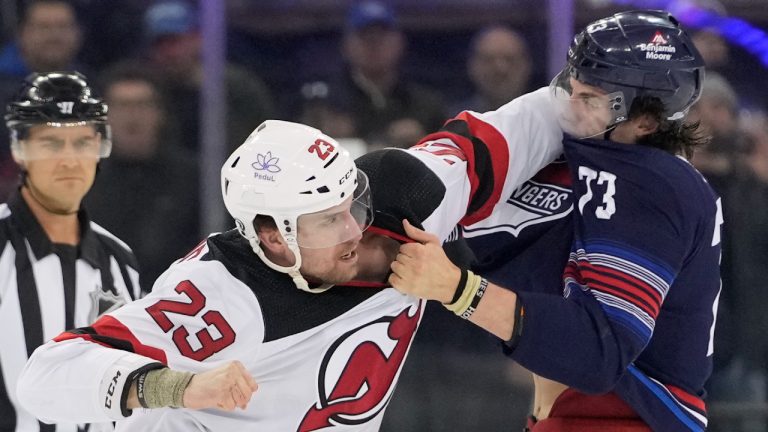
(226, 186)
(310, 179)
(323, 189)
(305, 193)
(234, 164)
(331, 161)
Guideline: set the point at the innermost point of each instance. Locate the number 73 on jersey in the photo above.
(608, 207)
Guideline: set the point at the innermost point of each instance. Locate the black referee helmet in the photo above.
(56, 99)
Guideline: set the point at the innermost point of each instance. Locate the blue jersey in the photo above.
(640, 233)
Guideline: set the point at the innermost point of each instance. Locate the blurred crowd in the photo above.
(147, 191)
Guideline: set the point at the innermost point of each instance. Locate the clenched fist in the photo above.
(423, 269)
(225, 387)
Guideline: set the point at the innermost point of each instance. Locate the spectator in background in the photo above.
(389, 110)
(713, 49)
(739, 69)
(717, 110)
(48, 39)
(148, 193)
(324, 107)
(499, 67)
(174, 52)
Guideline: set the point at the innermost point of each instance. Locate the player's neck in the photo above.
(60, 228)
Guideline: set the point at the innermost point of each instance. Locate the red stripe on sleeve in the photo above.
(110, 327)
(67, 336)
(498, 150)
(603, 287)
(466, 146)
(639, 284)
(619, 288)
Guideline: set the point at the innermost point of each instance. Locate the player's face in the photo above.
(328, 241)
(590, 109)
(60, 164)
(582, 110)
(334, 265)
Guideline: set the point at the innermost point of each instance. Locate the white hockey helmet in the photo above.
(293, 173)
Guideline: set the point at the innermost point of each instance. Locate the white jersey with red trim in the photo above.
(320, 360)
(499, 149)
(327, 361)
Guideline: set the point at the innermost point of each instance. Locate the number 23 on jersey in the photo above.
(208, 345)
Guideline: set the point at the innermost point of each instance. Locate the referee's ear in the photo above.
(17, 158)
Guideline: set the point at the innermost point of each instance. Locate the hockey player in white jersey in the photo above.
(221, 324)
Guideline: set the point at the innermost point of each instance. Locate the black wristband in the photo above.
(460, 287)
(476, 299)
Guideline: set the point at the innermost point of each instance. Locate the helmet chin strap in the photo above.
(292, 271)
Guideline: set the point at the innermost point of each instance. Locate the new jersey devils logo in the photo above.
(358, 372)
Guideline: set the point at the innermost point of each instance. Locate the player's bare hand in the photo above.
(226, 387)
(423, 269)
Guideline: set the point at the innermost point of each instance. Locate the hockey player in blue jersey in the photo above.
(609, 259)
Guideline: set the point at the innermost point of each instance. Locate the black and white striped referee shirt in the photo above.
(47, 288)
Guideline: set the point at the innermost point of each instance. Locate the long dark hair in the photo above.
(677, 137)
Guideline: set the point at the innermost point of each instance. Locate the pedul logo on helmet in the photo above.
(266, 162)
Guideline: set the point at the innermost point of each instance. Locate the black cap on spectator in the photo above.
(327, 94)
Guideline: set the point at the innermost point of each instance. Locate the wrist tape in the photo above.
(162, 388)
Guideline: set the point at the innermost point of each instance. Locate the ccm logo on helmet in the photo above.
(346, 177)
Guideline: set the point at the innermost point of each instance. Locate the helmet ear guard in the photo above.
(287, 171)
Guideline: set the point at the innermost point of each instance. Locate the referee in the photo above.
(58, 270)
